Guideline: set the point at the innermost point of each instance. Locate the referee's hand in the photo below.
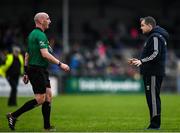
(25, 79)
(65, 67)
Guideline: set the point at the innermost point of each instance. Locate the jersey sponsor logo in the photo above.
(50, 49)
(42, 43)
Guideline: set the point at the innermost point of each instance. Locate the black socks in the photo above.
(46, 110)
(26, 107)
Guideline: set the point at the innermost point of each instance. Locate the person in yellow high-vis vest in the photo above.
(11, 70)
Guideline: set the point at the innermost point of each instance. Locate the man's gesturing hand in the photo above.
(134, 62)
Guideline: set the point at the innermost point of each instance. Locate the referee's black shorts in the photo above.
(39, 79)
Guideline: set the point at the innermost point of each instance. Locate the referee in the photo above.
(152, 66)
(37, 59)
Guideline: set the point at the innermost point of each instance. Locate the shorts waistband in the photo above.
(36, 66)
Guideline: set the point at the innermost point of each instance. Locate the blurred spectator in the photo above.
(3, 54)
(75, 63)
(171, 63)
(12, 69)
(101, 54)
(134, 33)
(76, 59)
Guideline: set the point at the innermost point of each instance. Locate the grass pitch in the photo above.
(96, 113)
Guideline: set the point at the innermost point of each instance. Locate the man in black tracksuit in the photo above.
(152, 66)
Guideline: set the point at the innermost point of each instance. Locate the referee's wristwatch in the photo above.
(59, 64)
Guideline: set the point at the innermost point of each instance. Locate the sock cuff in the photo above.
(47, 103)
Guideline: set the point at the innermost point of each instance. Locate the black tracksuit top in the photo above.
(153, 56)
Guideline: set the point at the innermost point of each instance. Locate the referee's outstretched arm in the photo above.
(45, 54)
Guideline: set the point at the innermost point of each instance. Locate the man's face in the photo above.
(45, 22)
(146, 28)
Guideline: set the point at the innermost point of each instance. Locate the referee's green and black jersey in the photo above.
(37, 40)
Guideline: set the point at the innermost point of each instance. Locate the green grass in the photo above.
(94, 113)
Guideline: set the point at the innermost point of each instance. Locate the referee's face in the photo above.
(46, 22)
(146, 28)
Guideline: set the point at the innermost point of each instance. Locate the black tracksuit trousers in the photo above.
(152, 85)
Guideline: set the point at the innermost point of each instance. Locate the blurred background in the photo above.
(95, 37)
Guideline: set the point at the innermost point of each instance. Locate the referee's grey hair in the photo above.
(149, 20)
(39, 15)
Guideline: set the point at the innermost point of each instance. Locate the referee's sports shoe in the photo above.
(50, 129)
(11, 121)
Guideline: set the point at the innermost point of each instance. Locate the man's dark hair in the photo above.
(149, 20)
